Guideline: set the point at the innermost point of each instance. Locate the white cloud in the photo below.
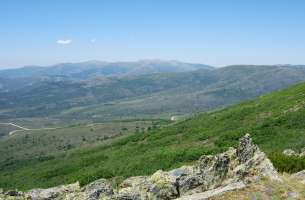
(68, 41)
(93, 40)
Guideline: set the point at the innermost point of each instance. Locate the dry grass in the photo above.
(290, 188)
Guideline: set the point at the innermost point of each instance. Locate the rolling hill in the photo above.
(144, 96)
(275, 121)
(26, 144)
(193, 92)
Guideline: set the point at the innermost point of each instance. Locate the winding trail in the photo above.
(12, 124)
(25, 129)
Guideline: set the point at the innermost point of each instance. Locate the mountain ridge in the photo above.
(90, 69)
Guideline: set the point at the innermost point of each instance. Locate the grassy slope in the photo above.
(5, 129)
(186, 93)
(276, 121)
(38, 143)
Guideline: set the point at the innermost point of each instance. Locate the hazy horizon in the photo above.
(140, 60)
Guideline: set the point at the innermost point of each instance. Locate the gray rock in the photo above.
(246, 149)
(214, 192)
(253, 162)
(300, 176)
(98, 189)
(13, 193)
(289, 152)
(52, 193)
(211, 175)
(133, 188)
(182, 171)
(161, 185)
(302, 153)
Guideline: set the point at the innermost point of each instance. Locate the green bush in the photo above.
(290, 164)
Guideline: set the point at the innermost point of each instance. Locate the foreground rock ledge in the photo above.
(212, 175)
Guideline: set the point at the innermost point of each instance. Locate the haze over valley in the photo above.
(148, 89)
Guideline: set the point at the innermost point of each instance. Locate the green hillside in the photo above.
(275, 121)
(25, 144)
(145, 96)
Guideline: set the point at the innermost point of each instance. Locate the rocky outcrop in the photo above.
(290, 152)
(302, 153)
(98, 189)
(300, 176)
(52, 193)
(214, 192)
(212, 174)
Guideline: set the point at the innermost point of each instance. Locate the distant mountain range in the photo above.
(165, 89)
(90, 69)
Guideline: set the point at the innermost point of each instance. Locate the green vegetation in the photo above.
(27, 144)
(284, 163)
(146, 96)
(275, 121)
(5, 129)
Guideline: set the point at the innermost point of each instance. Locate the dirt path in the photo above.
(25, 129)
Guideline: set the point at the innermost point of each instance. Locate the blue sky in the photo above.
(215, 32)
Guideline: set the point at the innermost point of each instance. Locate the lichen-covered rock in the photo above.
(133, 188)
(13, 193)
(302, 153)
(163, 186)
(300, 176)
(214, 192)
(59, 192)
(245, 164)
(254, 162)
(186, 178)
(246, 149)
(289, 152)
(98, 189)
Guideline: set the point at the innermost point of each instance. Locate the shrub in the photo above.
(284, 163)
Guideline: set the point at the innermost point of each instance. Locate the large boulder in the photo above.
(215, 173)
(98, 189)
(60, 192)
(246, 163)
(164, 185)
(300, 176)
(253, 162)
(133, 188)
(161, 185)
